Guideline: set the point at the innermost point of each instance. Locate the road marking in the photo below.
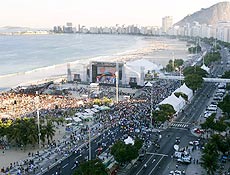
(78, 156)
(65, 165)
(144, 164)
(156, 165)
(179, 128)
(164, 155)
(73, 167)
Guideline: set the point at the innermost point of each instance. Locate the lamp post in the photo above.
(117, 81)
(89, 142)
(38, 118)
(151, 107)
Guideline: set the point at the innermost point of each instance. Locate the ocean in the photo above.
(31, 58)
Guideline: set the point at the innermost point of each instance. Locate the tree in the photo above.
(226, 75)
(170, 67)
(184, 96)
(194, 70)
(209, 122)
(194, 81)
(209, 163)
(164, 113)
(91, 167)
(225, 105)
(209, 158)
(123, 153)
(23, 132)
(212, 57)
(220, 143)
(49, 131)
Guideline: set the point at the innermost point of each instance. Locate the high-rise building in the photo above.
(167, 22)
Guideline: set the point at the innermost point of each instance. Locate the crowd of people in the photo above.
(128, 115)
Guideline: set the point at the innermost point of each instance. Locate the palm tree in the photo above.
(209, 162)
(209, 158)
(50, 131)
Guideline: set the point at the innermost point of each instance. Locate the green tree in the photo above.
(164, 113)
(194, 70)
(170, 67)
(209, 159)
(209, 163)
(23, 132)
(209, 122)
(220, 142)
(226, 74)
(184, 96)
(194, 81)
(92, 167)
(225, 105)
(49, 130)
(123, 153)
(212, 57)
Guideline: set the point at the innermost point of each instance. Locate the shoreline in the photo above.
(158, 50)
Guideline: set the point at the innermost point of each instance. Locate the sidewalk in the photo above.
(17, 155)
(195, 168)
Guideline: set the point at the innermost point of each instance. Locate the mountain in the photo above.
(211, 15)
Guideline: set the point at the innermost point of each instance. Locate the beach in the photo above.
(156, 49)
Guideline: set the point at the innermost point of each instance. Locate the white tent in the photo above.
(187, 91)
(177, 103)
(137, 69)
(148, 65)
(148, 84)
(205, 68)
(129, 140)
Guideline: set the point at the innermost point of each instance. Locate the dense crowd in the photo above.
(130, 115)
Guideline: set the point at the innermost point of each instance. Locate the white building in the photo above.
(167, 23)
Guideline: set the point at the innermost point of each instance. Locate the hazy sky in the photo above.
(47, 13)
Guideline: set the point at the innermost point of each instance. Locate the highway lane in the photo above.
(158, 160)
(68, 165)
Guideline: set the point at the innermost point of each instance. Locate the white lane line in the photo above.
(156, 165)
(65, 165)
(73, 167)
(157, 154)
(78, 156)
(144, 164)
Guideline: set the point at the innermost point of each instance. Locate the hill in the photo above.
(210, 16)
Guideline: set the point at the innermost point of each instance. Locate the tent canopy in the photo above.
(205, 68)
(129, 140)
(148, 84)
(184, 89)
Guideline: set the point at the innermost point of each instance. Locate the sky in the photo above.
(48, 13)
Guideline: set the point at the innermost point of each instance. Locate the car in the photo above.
(208, 114)
(214, 103)
(177, 140)
(198, 131)
(196, 142)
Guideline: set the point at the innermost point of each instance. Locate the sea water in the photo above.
(29, 58)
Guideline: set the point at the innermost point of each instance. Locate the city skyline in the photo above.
(43, 13)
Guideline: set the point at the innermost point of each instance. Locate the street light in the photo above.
(38, 118)
(89, 142)
(117, 90)
(151, 107)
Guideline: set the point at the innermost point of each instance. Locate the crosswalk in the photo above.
(179, 125)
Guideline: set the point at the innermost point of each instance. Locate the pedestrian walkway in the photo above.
(179, 125)
(195, 167)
